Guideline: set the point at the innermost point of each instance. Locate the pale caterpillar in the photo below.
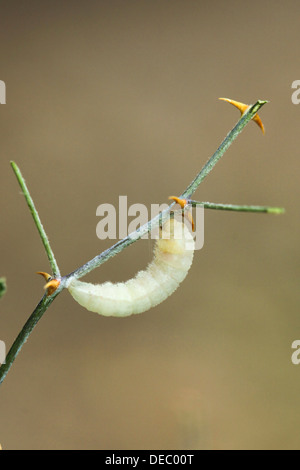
(173, 256)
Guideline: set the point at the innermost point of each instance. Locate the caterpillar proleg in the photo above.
(173, 256)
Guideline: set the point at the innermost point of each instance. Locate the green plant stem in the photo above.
(229, 139)
(238, 208)
(117, 248)
(152, 224)
(120, 245)
(25, 333)
(37, 220)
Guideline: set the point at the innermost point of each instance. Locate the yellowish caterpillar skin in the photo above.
(173, 256)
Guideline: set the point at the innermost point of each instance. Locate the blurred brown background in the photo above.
(109, 98)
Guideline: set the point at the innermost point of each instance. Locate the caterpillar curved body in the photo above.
(173, 256)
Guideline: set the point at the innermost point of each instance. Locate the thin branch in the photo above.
(119, 246)
(229, 139)
(238, 208)
(152, 224)
(25, 333)
(37, 220)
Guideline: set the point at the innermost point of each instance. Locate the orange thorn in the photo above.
(183, 203)
(243, 107)
(52, 284)
(45, 275)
